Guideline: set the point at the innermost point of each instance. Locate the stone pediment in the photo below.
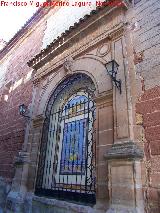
(104, 22)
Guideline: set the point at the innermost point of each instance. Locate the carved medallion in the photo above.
(104, 49)
(138, 57)
(68, 65)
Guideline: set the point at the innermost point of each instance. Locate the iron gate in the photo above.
(67, 163)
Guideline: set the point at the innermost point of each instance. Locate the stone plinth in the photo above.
(15, 198)
(124, 170)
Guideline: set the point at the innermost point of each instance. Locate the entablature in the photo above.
(102, 23)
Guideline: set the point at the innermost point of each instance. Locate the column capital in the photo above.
(125, 150)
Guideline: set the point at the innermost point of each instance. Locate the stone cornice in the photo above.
(73, 34)
(50, 65)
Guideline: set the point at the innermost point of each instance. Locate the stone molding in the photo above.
(94, 16)
(127, 150)
(43, 68)
(76, 44)
(68, 64)
(138, 57)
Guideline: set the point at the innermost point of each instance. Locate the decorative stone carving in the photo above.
(128, 150)
(68, 64)
(133, 26)
(103, 49)
(138, 57)
(81, 46)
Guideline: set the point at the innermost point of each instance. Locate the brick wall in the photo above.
(147, 48)
(149, 107)
(16, 89)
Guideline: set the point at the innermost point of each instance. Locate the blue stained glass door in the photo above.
(67, 162)
(73, 148)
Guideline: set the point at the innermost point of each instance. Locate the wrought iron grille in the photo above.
(67, 160)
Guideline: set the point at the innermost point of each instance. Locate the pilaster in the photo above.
(16, 196)
(124, 178)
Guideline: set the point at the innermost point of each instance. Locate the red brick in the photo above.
(155, 147)
(147, 151)
(155, 209)
(152, 133)
(155, 165)
(148, 106)
(11, 140)
(155, 180)
(152, 119)
(153, 194)
(151, 94)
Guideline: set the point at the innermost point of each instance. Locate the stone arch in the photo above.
(94, 67)
(103, 98)
(64, 84)
(77, 85)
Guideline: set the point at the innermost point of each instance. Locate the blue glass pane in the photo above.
(73, 148)
(78, 99)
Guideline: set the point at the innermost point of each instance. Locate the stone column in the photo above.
(104, 141)
(124, 171)
(123, 158)
(15, 198)
(25, 169)
(35, 143)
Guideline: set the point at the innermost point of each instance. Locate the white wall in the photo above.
(65, 17)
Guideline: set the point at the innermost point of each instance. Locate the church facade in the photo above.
(80, 99)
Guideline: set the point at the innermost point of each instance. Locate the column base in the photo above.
(14, 203)
(100, 206)
(125, 188)
(16, 197)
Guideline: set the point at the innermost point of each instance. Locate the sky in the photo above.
(12, 18)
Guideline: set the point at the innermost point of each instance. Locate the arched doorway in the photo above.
(66, 167)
